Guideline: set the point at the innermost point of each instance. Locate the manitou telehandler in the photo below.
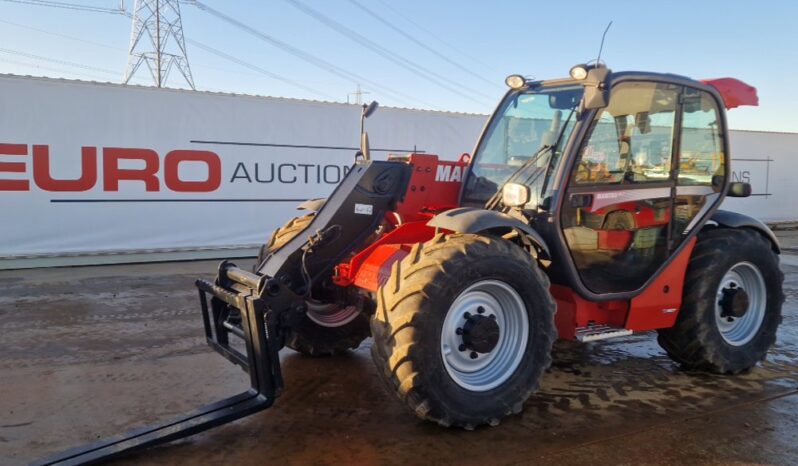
(596, 196)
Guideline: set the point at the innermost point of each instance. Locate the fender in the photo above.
(474, 220)
(727, 219)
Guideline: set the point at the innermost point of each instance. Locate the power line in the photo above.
(69, 6)
(207, 48)
(106, 46)
(421, 44)
(256, 68)
(51, 68)
(63, 36)
(307, 57)
(301, 54)
(58, 61)
(424, 72)
(432, 34)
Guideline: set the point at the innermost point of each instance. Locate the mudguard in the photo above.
(474, 220)
(727, 219)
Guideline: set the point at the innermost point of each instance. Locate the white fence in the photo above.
(88, 168)
(769, 161)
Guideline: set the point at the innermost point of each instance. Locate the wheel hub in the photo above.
(741, 304)
(735, 302)
(480, 333)
(484, 335)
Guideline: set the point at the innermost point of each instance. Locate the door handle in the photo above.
(581, 201)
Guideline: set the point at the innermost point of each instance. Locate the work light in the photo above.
(515, 81)
(579, 72)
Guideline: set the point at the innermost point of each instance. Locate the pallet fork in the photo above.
(255, 306)
(256, 298)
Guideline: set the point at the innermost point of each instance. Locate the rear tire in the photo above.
(442, 287)
(283, 235)
(705, 336)
(326, 329)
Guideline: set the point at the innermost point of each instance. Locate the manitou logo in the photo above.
(449, 173)
(151, 174)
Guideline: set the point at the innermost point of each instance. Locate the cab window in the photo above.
(702, 168)
(701, 152)
(631, 139)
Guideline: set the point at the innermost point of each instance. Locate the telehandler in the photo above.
(588, 210)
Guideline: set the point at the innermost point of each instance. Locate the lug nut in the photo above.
(459, 331)
(492, 316)
(474, 355)
(481, 310)
(462, 347)
(467, 315)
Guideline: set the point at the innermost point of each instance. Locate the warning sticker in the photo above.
(364, 209)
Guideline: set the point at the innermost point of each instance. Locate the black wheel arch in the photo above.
(728, 219)
(475, 220)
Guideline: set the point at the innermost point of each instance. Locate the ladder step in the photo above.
(600, 332)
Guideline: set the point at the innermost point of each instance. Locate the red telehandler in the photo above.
(588, 210)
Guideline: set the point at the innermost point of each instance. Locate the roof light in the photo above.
(579, 72)
(515, 81)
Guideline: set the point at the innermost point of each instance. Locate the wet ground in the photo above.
(93, 351)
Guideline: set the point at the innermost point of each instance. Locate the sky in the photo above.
(450, 54)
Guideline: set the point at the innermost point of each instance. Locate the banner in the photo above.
(91, 168)
(100, 167)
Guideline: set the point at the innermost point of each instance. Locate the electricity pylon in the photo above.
(156, 40)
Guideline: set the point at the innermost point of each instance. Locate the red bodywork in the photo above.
(734, 92)
(435, 187)
(656, 307)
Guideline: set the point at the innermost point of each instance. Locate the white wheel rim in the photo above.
(491, 369)
(330, 315)
(738, 331)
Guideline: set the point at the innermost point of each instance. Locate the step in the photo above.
(600, 332)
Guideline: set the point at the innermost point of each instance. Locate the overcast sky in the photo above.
(468, 47)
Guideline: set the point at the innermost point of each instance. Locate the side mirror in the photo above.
(596, 88)
(370, 108)
(515, 195)
(739, 189)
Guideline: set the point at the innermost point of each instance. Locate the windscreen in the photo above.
(524, 127)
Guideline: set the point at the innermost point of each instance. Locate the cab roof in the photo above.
(734, 92)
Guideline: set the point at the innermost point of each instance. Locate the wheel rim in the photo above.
(493, 367)
(330, 315)
(738, 331)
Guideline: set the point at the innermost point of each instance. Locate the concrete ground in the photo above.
(94, 351)
(787, 233)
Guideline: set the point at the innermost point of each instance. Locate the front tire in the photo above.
(731, 305)
(464, 329)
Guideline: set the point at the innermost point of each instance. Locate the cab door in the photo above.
(618, 210)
